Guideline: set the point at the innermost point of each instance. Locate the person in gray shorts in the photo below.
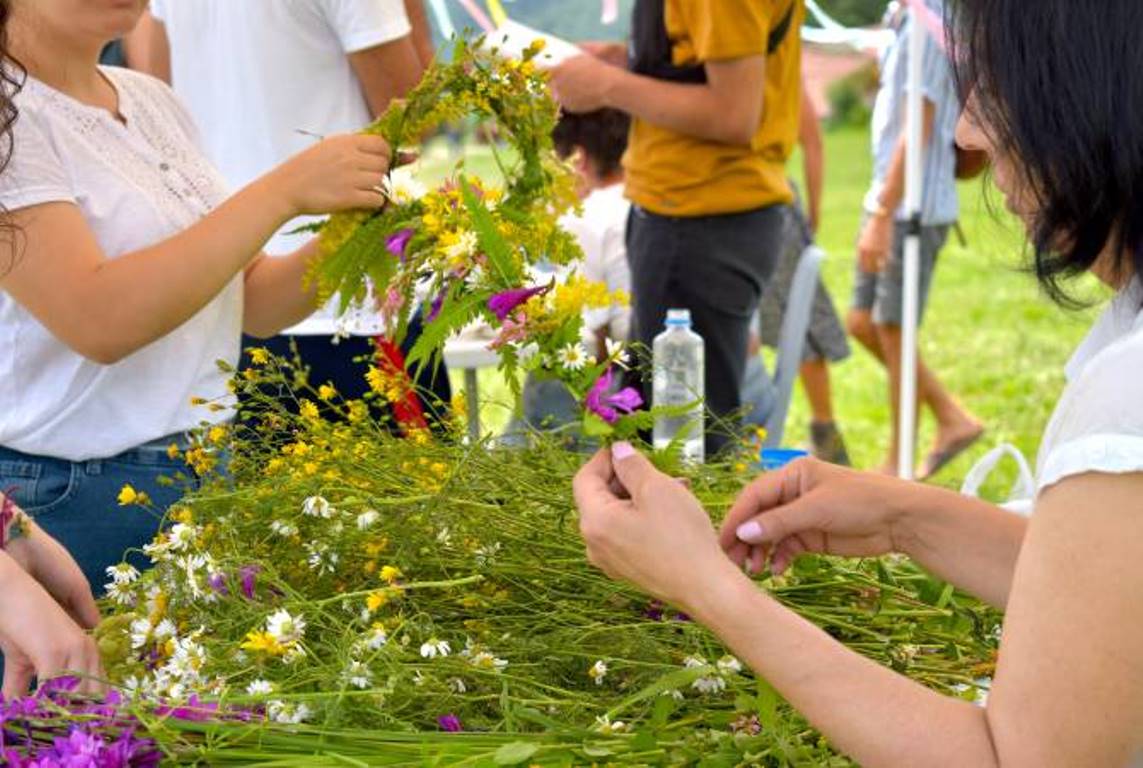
(876, 315)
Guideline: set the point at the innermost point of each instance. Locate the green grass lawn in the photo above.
(989, 334)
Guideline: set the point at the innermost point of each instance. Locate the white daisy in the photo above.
(294, 655)
(403, 187)
(165, 629)
(456, 685)
(573, 356)
(124, 573)
(140, 633)
(285, 628)
(604, 726)
(597, 672)
(358, 675)
(485, 660)
(367, 518)
(182, 536)
(317, 506)
(729, 665)
(434, 647)
(288, 713)
(616, 352)
(283, 529)
(119, 593)
(464, 246)
(260, 687)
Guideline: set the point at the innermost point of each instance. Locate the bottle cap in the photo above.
(678, 317)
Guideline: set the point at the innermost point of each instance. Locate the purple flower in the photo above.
(608, 407)
(450, 723)
(248, 574)
(435, 307)
(654, 611)
(217, 582)
(195, 710)
(504, 302)
(397, 242)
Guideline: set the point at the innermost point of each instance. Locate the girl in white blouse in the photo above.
(132, 273)
(1056, 100)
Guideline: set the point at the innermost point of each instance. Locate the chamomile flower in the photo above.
(358, 675)
(376, 637)
(140, 633)
(616, 352)
(605, 726)
(120, 594)
(367, 519)
(295, 654)
(404, 187)
(456, 685)
(123, 573)
(283, 529)
(288, 713)
(597, 672)
(317, 506)
(182, 536)
(729, 665)
(434, 647)
(285, 628)
(573, 356)
(485, 660)
(463, 246)
(260, 687)
(165, 630)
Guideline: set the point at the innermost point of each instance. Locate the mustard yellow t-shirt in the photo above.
(673, 174)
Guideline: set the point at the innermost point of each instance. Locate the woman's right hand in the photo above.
(336, 174)
(38, 638)
(812, 506)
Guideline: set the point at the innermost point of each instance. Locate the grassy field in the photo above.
(990, 335)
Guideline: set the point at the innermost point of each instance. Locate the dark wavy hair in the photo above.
(602, 135)
(11, 80)
(1058, 85)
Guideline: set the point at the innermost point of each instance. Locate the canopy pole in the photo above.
(914, 179)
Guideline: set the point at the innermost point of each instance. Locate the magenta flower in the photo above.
(502, 304)
(397, 242)
(450, 723)
(248, 574)
(608, 407)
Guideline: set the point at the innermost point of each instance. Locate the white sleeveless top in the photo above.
(136, 185)
(1098, 423)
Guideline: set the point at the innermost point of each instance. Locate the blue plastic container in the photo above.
(771, 459)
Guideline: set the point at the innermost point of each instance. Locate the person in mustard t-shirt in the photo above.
(713, 87)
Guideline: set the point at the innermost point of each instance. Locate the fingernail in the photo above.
(622, 450)
(750, 532)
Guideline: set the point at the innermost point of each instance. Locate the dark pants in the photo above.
(345, 363)
(715, 266)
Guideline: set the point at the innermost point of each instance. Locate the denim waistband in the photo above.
(151, 453)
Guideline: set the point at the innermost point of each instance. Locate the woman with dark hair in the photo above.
(45, 601)
(1054, 96)
(133, 274)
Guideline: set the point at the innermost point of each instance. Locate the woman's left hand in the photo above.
(579, 84)
(646, 528)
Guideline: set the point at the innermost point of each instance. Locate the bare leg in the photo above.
(954, 423)
(815, 380)
(860, 325)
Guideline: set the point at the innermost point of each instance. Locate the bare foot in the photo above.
(951, 440)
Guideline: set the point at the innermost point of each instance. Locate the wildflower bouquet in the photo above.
(370, 600)
(472, 245)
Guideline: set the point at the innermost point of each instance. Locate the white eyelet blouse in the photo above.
(136, 183)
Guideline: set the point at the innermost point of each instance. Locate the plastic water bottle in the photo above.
(679, 365)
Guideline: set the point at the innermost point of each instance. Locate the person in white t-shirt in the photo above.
(1051, 105)
(131, 274)
(262, 80)
(594, 143)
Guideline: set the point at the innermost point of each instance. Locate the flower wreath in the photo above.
(473, 244)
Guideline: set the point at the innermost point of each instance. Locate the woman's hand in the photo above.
(49, 563)
(336, 174)
(38, 638)
(812, 506)
(646, 528)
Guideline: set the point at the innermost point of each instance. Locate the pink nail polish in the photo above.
(750, 532)
(622, 450)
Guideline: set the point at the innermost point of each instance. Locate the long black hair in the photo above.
(11, 80)
(1058, 85)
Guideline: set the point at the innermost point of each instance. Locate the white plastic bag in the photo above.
(1023, 491)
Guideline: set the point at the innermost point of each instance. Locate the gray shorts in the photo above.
(825, 337)
(883, 292)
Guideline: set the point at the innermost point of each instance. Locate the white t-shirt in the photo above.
(601, 233)
(1098, 423)
(136, 185)
(254, 72)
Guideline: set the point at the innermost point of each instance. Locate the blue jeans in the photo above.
(76, 502)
